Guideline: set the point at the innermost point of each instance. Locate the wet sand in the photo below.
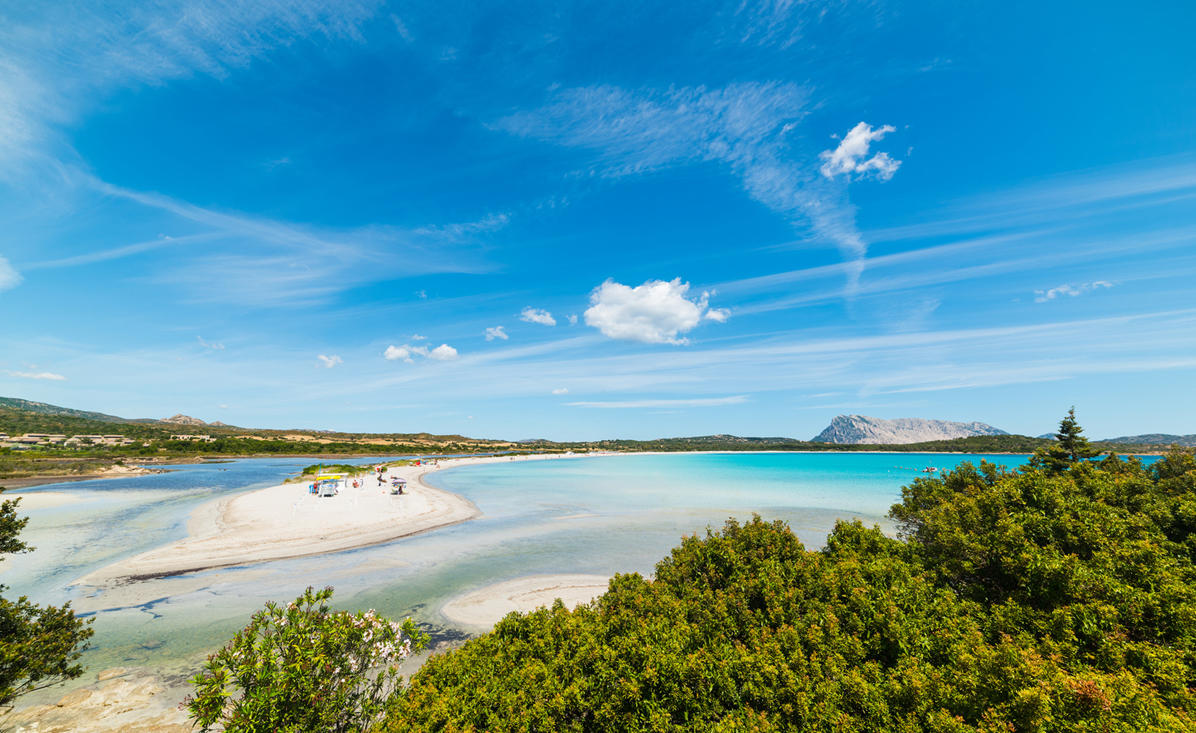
(485, 607)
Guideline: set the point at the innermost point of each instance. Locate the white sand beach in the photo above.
(487, 606)
(285, 521)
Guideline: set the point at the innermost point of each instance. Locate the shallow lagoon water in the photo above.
(598, 515)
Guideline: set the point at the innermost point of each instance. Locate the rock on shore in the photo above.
(123, 703)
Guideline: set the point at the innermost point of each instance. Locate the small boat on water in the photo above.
(929, 469)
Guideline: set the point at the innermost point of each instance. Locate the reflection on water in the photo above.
(596, 515)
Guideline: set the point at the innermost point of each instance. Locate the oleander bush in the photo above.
(303, 668)
(1057, 597)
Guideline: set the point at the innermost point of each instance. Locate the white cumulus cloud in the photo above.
(496, 333)
(395, 353)
(444, 352)
(851, 157)
(209, 345)
(37, 375)
(9, 277)
(329, 361)
(653, 313)
(573, 320)
(563, 390)
(535, 315)
(1042, 296)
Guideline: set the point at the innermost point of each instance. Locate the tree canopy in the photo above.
(1052, 598)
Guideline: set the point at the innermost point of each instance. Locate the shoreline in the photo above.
(253, 527)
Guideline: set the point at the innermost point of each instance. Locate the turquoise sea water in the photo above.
(599, 515)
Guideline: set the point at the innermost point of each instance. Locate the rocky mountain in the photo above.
(860, 429)
(181, 419)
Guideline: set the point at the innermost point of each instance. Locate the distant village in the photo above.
(47, 440)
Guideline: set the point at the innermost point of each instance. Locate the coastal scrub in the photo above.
(1058, 597)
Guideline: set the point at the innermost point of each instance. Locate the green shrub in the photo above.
(303, 668)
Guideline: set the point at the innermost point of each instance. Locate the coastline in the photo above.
(27, 482)
(256, 527)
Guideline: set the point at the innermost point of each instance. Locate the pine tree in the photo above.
(1070, 447)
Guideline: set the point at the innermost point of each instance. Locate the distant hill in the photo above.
(42, 408)
(1188, 441)
(860, 429)
(181, 419)
(723, 439)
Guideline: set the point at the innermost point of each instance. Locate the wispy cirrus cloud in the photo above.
(128, 250)
(1042, 296)
(56, 60)
(36, 375)
(9, 277)
(696, 402)
(264, 262)
(744, 126)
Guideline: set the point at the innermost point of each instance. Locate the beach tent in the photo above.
(329, 484)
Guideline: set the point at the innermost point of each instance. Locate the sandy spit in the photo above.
(286, 522)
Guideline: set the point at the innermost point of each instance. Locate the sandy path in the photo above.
(487, 606)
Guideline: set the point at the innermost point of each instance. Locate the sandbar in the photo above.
(285, 521)
(42, 499)
(487, 606)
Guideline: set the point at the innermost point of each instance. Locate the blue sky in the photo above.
(592, 220)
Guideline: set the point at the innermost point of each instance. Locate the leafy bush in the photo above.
(302, 668)
(39, 645)
(1060, 597)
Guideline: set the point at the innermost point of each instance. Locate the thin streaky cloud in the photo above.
(48, 78)
(743, 126)
(631, 404)
(126, 251)
(1070, 196)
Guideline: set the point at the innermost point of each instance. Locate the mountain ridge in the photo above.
(862, 429)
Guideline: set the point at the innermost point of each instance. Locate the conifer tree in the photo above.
(1070, 447)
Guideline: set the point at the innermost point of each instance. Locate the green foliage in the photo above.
(1029, 600)
(10, 528)
(1070, 447)
(39, 646)
(302, 668)
(333, 468)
